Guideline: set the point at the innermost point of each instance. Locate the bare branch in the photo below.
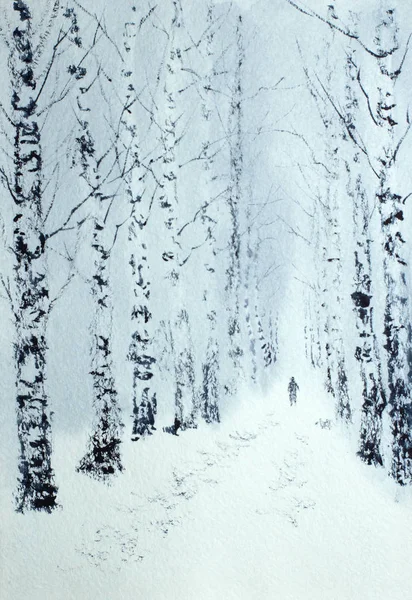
(311, 13)
(101, 27)
(6, 180)
(367, 98)
(310, 285)
(398, 71)
(399, 144)
(71, 214)
(273, 267)
(120, 225)
(53, 102)
(200, 211)
(60, 39)
(193, 248)
(55, 171)
(294, 231)
(6, 288)
(264, 88)
(44, 36)
(6, 114)
(61, 291)
(147, 16)
(350, 128)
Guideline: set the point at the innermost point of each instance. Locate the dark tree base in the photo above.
(102, 463)
(40, 497)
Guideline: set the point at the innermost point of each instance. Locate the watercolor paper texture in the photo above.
(205, 280)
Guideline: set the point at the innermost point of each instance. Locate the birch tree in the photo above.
(41, 39)
(367, 347)
(234, 200)
(328, 239)
(139, 120)
(103, 456)
(37, 489)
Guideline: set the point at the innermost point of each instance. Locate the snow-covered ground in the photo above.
(268, 505)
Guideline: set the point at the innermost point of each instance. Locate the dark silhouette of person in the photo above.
(177, 425)
(292, 389)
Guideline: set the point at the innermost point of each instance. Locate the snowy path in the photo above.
(261, 508)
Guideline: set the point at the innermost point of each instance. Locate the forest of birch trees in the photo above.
(140, 153)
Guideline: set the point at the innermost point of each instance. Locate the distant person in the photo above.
(292, 389)
(177, 425)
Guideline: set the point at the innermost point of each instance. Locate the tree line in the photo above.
(148, 148)
(135, 128)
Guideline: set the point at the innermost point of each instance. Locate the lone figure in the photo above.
(177, 425)
(292, 389)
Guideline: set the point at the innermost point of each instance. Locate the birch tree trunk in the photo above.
(210, 390)
(102, 459)
(234, 200)
(36, 487)
(396, 271)
(373, 394)
(103, 456)
(336, 381)
(366, 351)
(186, 408)
(249, 292)
(141, 351)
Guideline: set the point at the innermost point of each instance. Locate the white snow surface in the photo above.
(266, 505)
